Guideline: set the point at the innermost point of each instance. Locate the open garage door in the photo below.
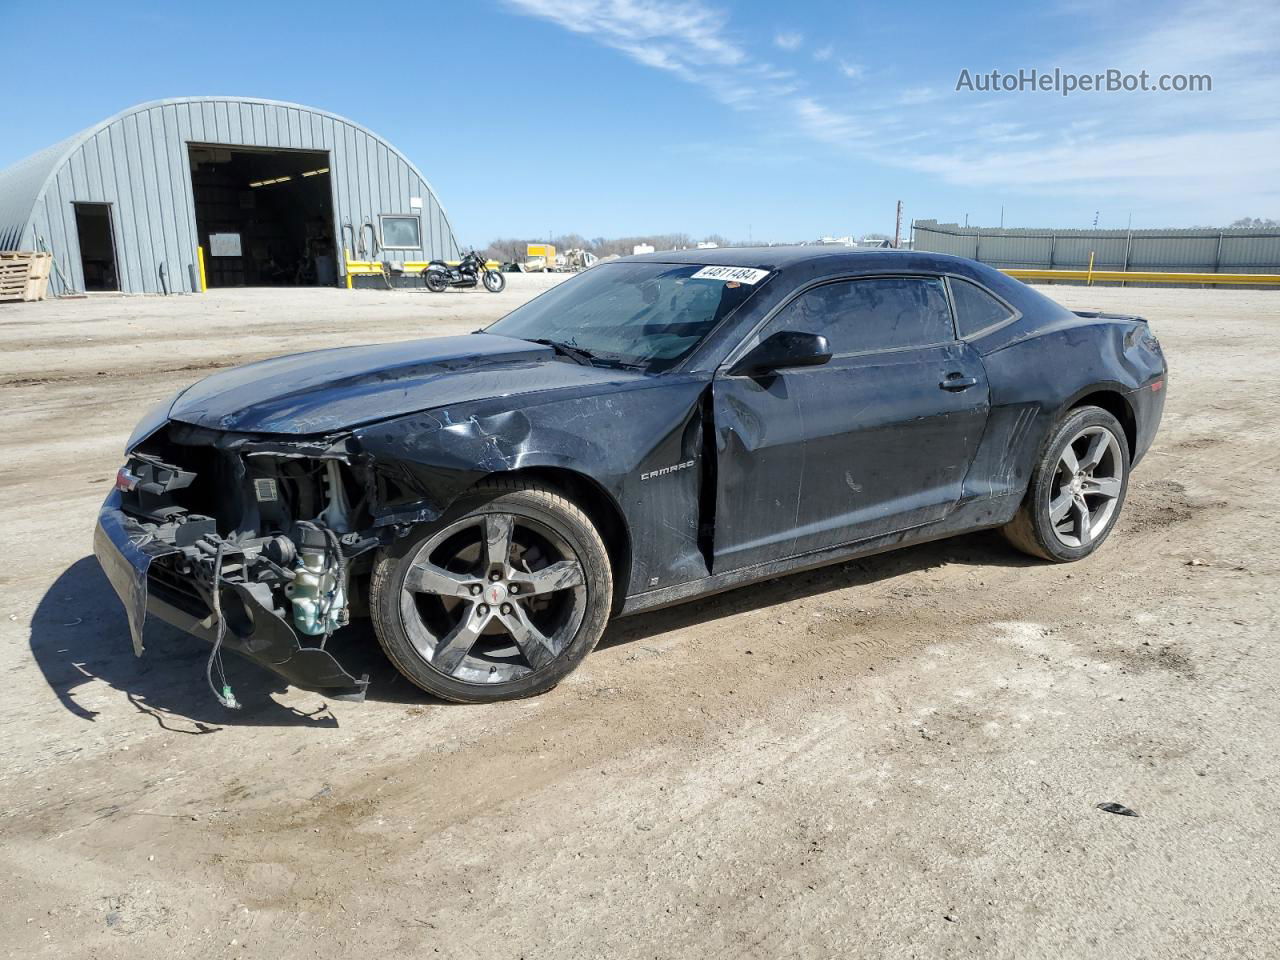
(264, 217)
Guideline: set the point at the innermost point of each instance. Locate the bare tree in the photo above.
(505, 250)
(508, 249)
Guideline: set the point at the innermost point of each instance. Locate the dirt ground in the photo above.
(898, 757)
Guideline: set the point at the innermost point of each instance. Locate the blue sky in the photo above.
(752, 119)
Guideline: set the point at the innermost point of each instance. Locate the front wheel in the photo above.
(494, 282)
(500, 599)
(1077, 489)
(436, 281)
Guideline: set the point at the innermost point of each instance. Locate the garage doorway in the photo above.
(264, 217)
(97, 247)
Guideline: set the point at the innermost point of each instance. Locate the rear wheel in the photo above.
(436, 281)
(499, 600)
(1077, 489)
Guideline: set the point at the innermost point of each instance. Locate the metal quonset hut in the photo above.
(271, 192)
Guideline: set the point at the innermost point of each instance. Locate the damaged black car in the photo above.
(654, 430)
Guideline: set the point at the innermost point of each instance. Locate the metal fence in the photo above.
(1195, 250)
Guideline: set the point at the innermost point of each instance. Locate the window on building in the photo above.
(976, 309)
(401, 233)
(859, 316)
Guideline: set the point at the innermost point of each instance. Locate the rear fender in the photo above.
(1035, 380)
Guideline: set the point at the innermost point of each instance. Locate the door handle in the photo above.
(956, 381)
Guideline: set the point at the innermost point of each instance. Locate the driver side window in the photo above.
(864, 316)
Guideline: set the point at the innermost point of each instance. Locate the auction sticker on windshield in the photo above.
(741, 274)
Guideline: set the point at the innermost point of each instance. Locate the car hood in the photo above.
(329, 390)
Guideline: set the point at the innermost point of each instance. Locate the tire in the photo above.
(494, 282)
(517, 636)
(436, 281)
(1043, 527)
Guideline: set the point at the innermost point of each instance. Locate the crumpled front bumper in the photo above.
(126, 551)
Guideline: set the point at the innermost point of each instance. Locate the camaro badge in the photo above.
(663, 471)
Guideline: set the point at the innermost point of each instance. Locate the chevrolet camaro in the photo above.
(654, 430)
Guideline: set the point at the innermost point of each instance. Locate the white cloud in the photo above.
(824, 123)
(789, 40)
(669, 35)
(682, 37)
(1146, 167)
(1178, 151)
(916, 95)
(693, 42)
(1192, 156)
(1204, 33)
(1004, 132)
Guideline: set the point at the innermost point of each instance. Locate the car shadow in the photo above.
(79, 634)
(983, 549)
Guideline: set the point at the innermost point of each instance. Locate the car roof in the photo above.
(855, 260)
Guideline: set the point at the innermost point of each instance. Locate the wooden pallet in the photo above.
(24, 276)
(13, 280)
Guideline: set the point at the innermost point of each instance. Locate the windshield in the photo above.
(643, 315)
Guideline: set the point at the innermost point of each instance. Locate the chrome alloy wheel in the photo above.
(1086, 486)
(493, 598)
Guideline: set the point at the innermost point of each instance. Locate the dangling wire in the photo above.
(225, 696)
(339, 565)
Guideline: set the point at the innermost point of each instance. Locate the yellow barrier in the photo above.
(1141, 276)
(373, 268)
(204, 281)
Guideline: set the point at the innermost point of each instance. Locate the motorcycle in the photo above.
(439, 276)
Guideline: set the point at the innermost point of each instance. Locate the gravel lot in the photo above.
(898, 757)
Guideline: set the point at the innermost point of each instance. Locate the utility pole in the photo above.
(1002, 216)
(966, 221)
(897, 230)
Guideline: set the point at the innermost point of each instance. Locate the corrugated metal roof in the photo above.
(137, 161)
(21, 185)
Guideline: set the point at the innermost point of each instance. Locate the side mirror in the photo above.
(786, 348)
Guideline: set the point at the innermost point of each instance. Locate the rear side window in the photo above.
(885, 313)
(975, 308)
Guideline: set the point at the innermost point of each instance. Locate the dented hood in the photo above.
(328, 390)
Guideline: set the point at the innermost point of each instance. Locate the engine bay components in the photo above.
(236, 531)
(318, 589)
